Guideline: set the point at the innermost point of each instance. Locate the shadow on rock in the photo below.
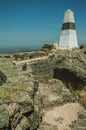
(3, 78)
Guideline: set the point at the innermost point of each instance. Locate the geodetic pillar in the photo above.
(68, 37)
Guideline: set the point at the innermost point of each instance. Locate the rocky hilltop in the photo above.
(67, 67)
(48, 93)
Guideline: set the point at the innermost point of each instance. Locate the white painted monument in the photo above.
(68, 37)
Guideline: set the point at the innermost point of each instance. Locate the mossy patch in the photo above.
(82, 96)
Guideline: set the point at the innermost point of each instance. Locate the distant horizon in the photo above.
(35, 23)
(80, 42)
(23, 48)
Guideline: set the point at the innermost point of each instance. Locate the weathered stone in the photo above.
(58, 94)
(24, 105)
(70, 68)
(20, 98)
(43, 70)
(66, 65)
(4, 120)
(24, 124)
(80, 124)
(61, 107)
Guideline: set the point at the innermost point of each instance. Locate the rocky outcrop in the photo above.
(53, 85)
(47, 48)
(71, 68)
(67, 65)
(20, 99)
(43, 69)
(56, 93)
(62, 109)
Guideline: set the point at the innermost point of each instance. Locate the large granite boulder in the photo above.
(71, 68)
(67, 65)
(57, 94)
(62, 109)
(20, 99)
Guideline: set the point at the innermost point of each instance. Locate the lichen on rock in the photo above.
(20, 99)
(51, 91)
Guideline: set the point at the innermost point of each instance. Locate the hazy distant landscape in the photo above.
(24, 48)
(15, 49)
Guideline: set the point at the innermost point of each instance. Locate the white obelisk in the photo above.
(68, 37)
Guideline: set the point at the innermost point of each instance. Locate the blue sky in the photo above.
(36, 22)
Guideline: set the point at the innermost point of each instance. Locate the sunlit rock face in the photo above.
(20, 98)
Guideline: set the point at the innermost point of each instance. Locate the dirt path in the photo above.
(31, 60)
